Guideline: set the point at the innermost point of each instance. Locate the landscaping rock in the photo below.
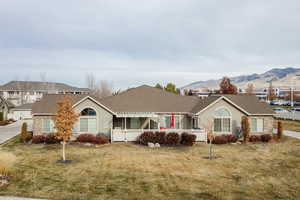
(151, 145)
(157, 145)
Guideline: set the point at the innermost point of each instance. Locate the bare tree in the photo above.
(100, 89)
(250, 89)
(208, 127)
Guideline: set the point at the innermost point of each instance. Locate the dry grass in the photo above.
(289, 125)
(7, 161)
(126, 171)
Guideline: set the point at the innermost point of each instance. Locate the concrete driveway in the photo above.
(292, 134)
(9, 131)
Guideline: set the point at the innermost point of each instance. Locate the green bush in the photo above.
(1, 116)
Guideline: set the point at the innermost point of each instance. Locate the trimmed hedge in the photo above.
(37, 139)
(224, 139)
(188, 139)
(160, 137)
(51, 139)
(90, 138)
(146, 137)
(255, 138)
(172, 139)
(266, 137)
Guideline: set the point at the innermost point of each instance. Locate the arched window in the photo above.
(88, 121)
(222, 120)
(88, 112)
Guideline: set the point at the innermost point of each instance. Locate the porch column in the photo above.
(149, 123)
(125, 130)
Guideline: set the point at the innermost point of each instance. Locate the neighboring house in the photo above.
(23, 92)
(21, 112)
(5, 107)
(125, 116)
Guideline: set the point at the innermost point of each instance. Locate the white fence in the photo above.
(119, 135)
(288, 115)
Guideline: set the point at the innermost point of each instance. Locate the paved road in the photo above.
(9, 131)
(292, 134)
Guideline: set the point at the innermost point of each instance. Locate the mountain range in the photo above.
(280, 77)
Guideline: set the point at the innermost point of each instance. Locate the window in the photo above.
(135, 123)
(222, 120)
(88, 125)
(88, 112)
(257, 125)
(88, 121)
(48, 126)
(168, 120)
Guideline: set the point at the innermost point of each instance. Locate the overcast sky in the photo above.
(133, 42)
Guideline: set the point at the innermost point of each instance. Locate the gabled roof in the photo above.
(39, 86)
(150, 99)
(27, 106)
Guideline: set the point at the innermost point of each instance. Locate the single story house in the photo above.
(125, 116)
(21, 112)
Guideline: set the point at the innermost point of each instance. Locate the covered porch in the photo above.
(128, 126)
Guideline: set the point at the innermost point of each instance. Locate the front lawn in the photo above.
(126, 171)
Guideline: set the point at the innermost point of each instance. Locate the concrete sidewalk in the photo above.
(9, 131)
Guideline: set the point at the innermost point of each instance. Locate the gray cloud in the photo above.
(143, 42)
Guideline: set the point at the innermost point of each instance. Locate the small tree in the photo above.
(226, 87)
(158, 86)
(208, 127)
(271, 94)
(279, 130)
(250, 89)
(172, 88)
(245, 128)
(64, 122)
(24, 132)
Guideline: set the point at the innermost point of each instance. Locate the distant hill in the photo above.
(279, 77)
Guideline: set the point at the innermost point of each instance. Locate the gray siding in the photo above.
(104, 117)
(207, 116)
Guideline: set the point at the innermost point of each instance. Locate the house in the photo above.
(21, 112)
(23, 92)
(5, 107)
(125, 116)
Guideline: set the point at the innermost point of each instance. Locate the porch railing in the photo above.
(129, 135)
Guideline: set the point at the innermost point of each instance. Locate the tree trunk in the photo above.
(210, 150)
(64, 150)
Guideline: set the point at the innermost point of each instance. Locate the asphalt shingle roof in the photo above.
(150, 99)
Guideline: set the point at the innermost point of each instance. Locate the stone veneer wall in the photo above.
(38, 124)
(268, 124)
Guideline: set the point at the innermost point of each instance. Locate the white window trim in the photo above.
(263, 125)
(180, 123)
(52, 129)
(223, 117)
(89, 117)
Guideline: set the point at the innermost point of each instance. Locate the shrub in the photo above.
(100, 140)
(51, 139)
(87, 137)
(266, 137)
(172, 139)
(1, 116)
(160, 137)
(146, 137)
(24, 133)
(245, 128)
(255, 138)
(37, 139)
(279, 130)
(224, 139)
(188, 139)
